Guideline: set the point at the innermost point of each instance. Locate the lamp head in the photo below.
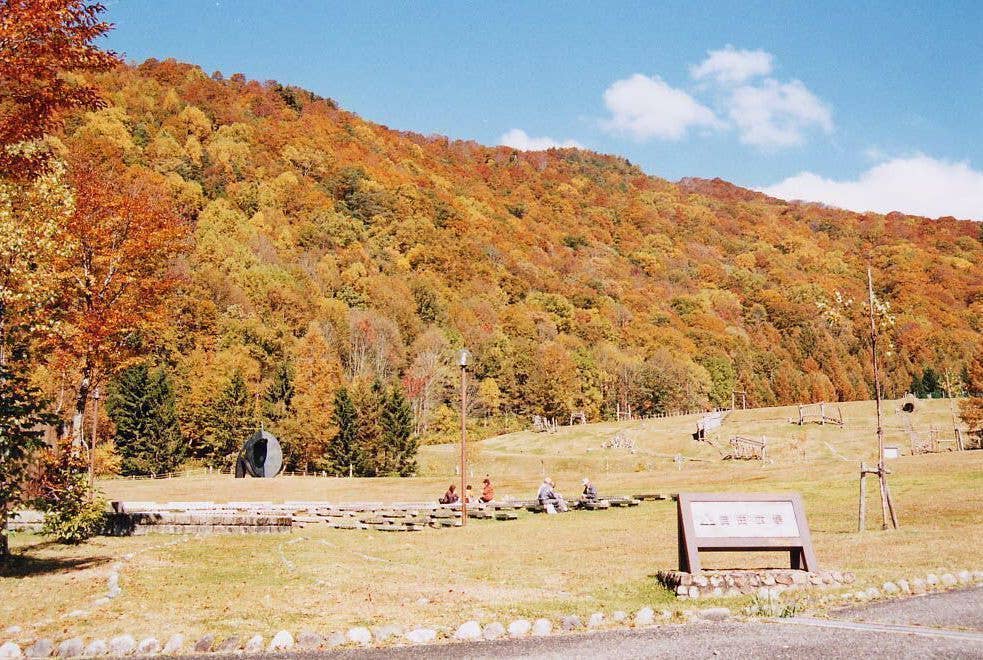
(463, 358)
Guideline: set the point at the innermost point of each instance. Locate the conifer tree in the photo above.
(343, 449)
(931, 383)
(278, 400)
(22, 412)
(141, 404)
(231, 422)
(399, 443)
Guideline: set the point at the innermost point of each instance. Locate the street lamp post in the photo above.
(463, 358)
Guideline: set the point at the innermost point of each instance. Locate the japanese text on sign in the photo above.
(744, 519)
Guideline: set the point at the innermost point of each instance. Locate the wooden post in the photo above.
(890, 503)
(952, 412)
(886, 505)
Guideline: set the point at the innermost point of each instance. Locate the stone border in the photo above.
(728, 583)
(394, 635)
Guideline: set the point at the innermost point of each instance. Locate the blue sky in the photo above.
(875, 107)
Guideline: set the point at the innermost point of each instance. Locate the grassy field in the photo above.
(324, 579)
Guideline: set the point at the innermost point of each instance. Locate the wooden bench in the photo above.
(620, 500)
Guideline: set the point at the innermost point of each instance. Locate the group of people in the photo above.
(552, 501)
(487, 494)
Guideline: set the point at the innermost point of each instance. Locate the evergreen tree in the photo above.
(141, 404)
(278, 400)
(397, 435)
(22, 413)
(931, 383)
(343, 448)
(231, 422)
(918, 386)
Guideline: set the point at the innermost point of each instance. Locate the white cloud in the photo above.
(919, 185)
(730, 66)
(519, 139)
(773, 115)
(765, 112)
(645, 107)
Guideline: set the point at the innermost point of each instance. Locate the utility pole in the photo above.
(881, 470)
(463, 361)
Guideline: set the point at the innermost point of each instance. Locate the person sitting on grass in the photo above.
(551, 500)
(487, 491)
(450, 497)
(590, 492)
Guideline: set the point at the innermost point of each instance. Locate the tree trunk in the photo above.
(4, 546)
(81, 398)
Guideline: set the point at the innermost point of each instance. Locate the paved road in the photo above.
(704, 640)
(905, 628)
(961, 609)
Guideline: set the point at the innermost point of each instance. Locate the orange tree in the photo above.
(41, 43)
(122, 236)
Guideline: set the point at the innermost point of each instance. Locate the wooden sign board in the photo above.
(731, 522)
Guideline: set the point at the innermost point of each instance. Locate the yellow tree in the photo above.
(318, 375)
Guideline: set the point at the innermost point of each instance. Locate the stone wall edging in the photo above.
(394, 635)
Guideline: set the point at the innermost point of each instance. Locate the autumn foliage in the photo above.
(352, 252)
(119, 239)
(44, 47)
(270, 250)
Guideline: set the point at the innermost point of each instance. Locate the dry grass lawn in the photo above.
(324, 579)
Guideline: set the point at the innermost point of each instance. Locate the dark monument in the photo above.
(261, 456)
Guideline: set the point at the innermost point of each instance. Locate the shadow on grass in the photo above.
(24, 565)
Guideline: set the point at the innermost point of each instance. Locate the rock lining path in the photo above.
(873, 633)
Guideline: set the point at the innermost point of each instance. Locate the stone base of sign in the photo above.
(721, 583)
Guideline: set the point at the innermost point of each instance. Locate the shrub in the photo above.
(75, 523)
(72, 514)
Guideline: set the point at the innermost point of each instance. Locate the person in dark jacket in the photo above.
(590, 492)
(450, 497)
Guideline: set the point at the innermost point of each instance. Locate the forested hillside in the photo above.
(326, 251)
